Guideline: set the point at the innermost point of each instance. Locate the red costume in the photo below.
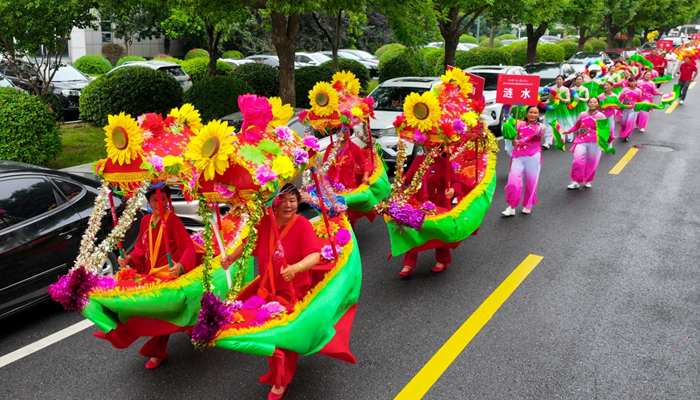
(659, 63)
(349, 166)
(435, 182)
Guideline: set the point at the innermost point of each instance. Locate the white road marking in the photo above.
(45, 342)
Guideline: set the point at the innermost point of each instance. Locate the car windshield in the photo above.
(68, 73)
(649, 45)
(392, 98)
(491, 79)
(584, 58)
(321, 58)
(363, 54)
(344, 54)
(547, 73)
(4, 82)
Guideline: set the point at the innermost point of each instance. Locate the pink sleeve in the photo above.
(577, 125)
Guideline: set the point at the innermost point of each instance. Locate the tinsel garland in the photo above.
(72, 289)
(255, 209)
(214, 314)
(87, 245)
(417, 181)
(205, 212)
(239, 230)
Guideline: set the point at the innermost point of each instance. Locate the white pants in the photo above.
(672, 67)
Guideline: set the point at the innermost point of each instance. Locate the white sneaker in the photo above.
(680, 102)
(642, 130)
(526, 211)
(573, 185)
(588, 185)
(545, 146)
(508, 212)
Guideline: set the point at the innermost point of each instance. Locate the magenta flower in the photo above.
(157, 163)
(311, 142)
(264, 174)
(106, 282)
(459, 126)
(273, 308)
(419, 137)
(343, 236)
(327, 252)
(303, 115)
(224, 191)
(300, 156)
(236, 305)
(253, 303)
(455, 166)
(284, 134)
(193, 182)
(428, 206)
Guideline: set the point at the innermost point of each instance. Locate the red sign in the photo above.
(517, 89)
(478, 84)
(695, 36)
(666, 45)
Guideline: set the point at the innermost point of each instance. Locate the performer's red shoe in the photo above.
(406, 273)
(151, 365)
(440, 269)
(276, 396)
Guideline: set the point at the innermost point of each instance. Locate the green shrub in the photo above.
(235, 54)
(435, 57)
(587, 47)
(467, 39)
(216, 97)
(393, 47)
(636, 41)
(570, 48)
(508, 36)
(483, 37)
(550, 53)
(92, 64)
(194, 53)
(28, 131)
(518, 52)
(304, 80)
(489, 56)
(197, 68)
(496, 43)
(162, 56)
(360, 71)
(410, 63)
(129, 58)
(262, 78)
(113, 52)
(597, 45)
(133, 90)
(171, 59)
(466, 59)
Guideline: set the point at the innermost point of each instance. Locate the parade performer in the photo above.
(151, 257)
(586, 150)
(611, 112)
(580, 96)
(557, 111)
(525, 163)
(658, 61)
(350, 167)
(648, 88)
(629, 96)
(688, 73)
(672, 62)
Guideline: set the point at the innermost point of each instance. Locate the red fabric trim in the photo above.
(339, 346)
(125, 334)
(433, 244)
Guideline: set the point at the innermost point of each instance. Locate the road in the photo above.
(612, 310)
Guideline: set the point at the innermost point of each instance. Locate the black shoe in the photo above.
(626, 139)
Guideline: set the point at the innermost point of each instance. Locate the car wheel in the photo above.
(110, 265)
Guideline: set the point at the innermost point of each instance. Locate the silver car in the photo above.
(169, 67)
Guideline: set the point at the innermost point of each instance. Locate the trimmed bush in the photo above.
(550, 53)
(488, 56)
(197, 68)
(129, 58)
(133, 90)
(28, 131)
(496, 43)
(410, 63)
(304, 80)
(508, 36)
(468, 39)
(587, 47)
(194, 53)
(360, 71)
(597, 45)
(570, 47)
(113, 52)
(93, 64)
(518, 52)
(235, 54)
(636, 41)
(216, 97)
(435, 58)
(483, 37)
(263, 79)
(162, 56)
(388, 47)
(171, 59)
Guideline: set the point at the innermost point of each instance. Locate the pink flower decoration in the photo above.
(157, 163)
(303, 115)
(284, 134)
(343, 236)
(257, 112)
(300, 156)
(193, 182)
(253, 303)
(369, 101)
(224, 191)
(327, 252)
(311, 142)
(459, 126)
(264, 174)
(419, 137)
(273, 308)
(455, 166)
(428, 206)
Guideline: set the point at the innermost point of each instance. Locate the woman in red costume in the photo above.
(150, 256)
(301, 253)
(440, 184)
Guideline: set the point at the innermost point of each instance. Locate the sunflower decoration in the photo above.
(348, 80)
(422, 111)
(281, 112)
(324, 99)
(123, 139)
(210, 148)
(458, 78)
(188, 116)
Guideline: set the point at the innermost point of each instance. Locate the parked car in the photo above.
(490, 74)
(580, 59)
(506, 42)
(67, 84)
(43, 215)
(549, 39)
(549, 71)
(362, 54)
(371, 65)
(235, 62)
(169, 67)
(620, 54)
(310, 59)
(5, 83)
(186, 211)
(269, 60)
(677, 40)
(460, 46)
(646, 48)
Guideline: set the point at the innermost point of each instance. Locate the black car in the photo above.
(67, 84)
(43, 214)
(548, 72)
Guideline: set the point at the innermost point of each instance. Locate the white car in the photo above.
(490, 74)
(169, 67)
(310, 59)
(236, 62)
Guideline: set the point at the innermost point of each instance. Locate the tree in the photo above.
(454, 18)
(617, 16)
(587, 17)
(34, 35)
(332, 16)
(134, 21)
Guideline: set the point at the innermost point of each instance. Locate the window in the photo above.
(69, 189)
(24, 198)
(392, 98)
(106, 28)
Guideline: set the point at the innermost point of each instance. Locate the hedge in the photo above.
(129, 58)
(435, 58)
(393, 47)
(93, 64)
(216, 97)
(636, 41)
(304, 80)
(171, 59)
(194, 53)
(263, 79)
(570, 47)
(468, 39)
(518, 52)
(484, 56)
(28, 131)
(235, 54)
(550, 53)
(197, 68)
(496, 43)
(508, 36)
(133, 90)
(360, 71)
(406, 62)
(597, 44)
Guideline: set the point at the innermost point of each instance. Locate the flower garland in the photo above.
(255, 209)
(204, 211)
(87, 245)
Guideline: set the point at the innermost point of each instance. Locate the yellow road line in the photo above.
(673, 107)
(692, 85)
(431, 372)
(621, 164)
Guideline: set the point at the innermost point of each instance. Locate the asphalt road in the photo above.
(612, 311)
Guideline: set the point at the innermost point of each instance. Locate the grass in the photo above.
(373, 83)
(81, 143)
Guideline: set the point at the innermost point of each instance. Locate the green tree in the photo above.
(34, 35)
(587, 17)
(454, 18)
(617, 16)
(330, 20)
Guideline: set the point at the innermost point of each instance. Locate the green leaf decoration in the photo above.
(253, 154)
(269, 146)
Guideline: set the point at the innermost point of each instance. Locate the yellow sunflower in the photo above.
(457, 77)
(210, 148)
(187, 115)
(281, 112)
(349, 80)
(422, 110)
(123, 138)
(324, 99)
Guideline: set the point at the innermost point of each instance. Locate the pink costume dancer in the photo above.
(648, 88)
(611, 114)
(629, 96)
(586, 150)
(525, 163)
